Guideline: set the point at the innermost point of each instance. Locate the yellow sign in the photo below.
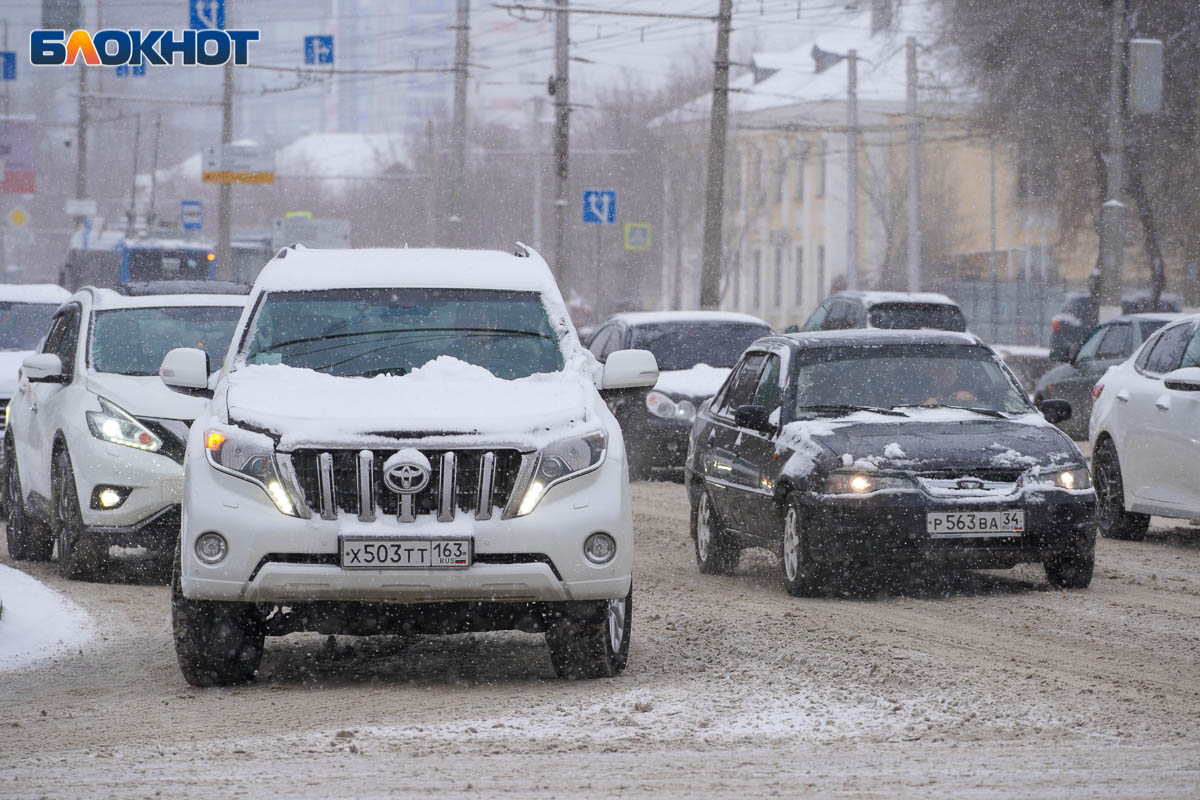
(294, 214)
(638, 235)
(18, 217)
(226, 176)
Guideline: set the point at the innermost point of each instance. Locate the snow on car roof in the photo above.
(661, 317)
(878, 336)
(875, 298)
(104, 299)
(33, 293)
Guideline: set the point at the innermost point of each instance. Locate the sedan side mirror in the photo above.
(185, 369)
(1183, 380)
(629, 369)
(44, 368)
(756, 418)
(1055, 410)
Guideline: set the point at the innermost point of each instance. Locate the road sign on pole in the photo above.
(191, 215)
(318, 49)
(638, 235)
(8, 65)
(600, 206)
(206, 15)
(238, 163)
(18, 217)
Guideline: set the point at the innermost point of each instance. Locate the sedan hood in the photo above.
(10, 365)
(145, 396)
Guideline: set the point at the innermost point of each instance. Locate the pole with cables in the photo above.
(462, 32)
(914, 174)
(714, 200)
(852, 171)
(562, 131)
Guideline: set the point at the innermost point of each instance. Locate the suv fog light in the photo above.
(211, 547)
(109, 497)
(599, 548)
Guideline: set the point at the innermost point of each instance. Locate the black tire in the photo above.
(27, 540)
(717, 551)
(77, 559)
(592, 642)
(216, 644)
(1112, 520)
(801, 575)
(1072, 566)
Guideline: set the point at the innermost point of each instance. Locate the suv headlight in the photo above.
(660, 405)
(251, 457)
(561, 461)
(1070, 478)
(863, 483)
(114, 424)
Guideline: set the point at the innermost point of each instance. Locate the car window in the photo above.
(23, 324)
(767, 393)
(687, 343)
(64, 333)
(839, 316)
(1144, 354)
(599, 339)
(1191, 355)
(1149, 326)
(615, 342)
(817, 319)
(1087, 351)
(1115, 343)
(914, 316)
(740, 389)
(133, 341)
(1168, 350)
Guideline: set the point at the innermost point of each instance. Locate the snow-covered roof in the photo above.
(106, 299)
(33, 293)
(666, 317)
(925, 298)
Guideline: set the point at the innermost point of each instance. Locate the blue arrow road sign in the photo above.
(8, 65)
(206, 15)
(124, 70)
(191, 215)
(318, 49)
(600, 206)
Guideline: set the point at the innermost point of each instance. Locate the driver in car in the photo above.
(946, 388)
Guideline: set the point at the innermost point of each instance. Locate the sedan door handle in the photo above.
(1123, 395)
(1163, 403)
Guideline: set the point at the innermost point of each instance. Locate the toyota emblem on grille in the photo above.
(406, 472)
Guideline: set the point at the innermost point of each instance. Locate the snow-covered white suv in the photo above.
(94, 446)
(405, 441)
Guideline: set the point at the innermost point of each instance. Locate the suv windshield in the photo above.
(683, 345)
(891, 376)
(914, 316)
(365, 332)
(22, 325)
(133, 341)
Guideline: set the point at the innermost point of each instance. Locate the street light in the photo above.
(823, 60)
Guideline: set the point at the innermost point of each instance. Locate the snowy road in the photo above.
(973, 685)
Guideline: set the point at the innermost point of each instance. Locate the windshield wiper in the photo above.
(845, 407)
(350, 334)
(987, 412)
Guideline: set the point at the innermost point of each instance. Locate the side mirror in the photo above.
(1183, 380)
(756, 418)
(1055, 410)
(1061, 351)
(44, 368)
(629, 369)
(185, 369)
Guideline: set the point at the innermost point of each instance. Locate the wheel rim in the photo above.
(791, 545)
(1109, 484)
(66, 490)
(704, 528)
(12, 518)
(616, 613)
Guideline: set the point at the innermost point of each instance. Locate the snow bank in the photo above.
(699, 381)
(37, 622)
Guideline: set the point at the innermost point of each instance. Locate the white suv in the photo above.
(25, 312)
(94, 447)
(405, 441)
(1145, 458)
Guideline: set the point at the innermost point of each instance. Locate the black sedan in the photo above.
(874, 448)
(695, 351)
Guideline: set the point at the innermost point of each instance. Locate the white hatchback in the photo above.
(1145, 456)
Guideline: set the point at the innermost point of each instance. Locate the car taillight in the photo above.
(1096, 390)
(1055, 325)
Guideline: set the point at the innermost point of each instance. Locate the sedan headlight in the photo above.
(863, 483)
(561, 461)
(660, 405)
(114, 424)
(251, 457)
(1071, 478)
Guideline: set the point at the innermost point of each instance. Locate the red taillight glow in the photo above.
(1055, 325)
(1096, 390)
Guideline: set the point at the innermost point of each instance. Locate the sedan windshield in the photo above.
(133, 341)
(914, 316)
(683, 345)
(897, 376)
(366, 332)
(22, 325)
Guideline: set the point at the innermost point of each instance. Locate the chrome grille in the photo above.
(336, 482)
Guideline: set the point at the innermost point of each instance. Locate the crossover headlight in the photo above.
(561, 461)
(660, 405)
(114, 424)
(251, 457)
(1072, 478)
(863, 483)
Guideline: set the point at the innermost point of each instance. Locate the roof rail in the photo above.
(147, 288)
(522, 251)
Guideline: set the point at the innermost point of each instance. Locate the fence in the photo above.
(1009, 313)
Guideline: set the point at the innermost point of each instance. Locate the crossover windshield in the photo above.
(897, 376)
(133, 341)
(366, 332)
(913, 316)
(684, 345)
(23, 324)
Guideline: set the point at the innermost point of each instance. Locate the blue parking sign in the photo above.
(8, 65)
(318, 49)
(599, 206)
(206, 15)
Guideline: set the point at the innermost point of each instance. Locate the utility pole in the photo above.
(151, 216)
(562, 132)
(714, 200)
(1112, 213)
(852, 170)
(992, 217)
(225, 201)
(462, 32)
(1191, 284)
(137, 140)
(914, 175)
(431, 154)
(81, 123)
(537, 173)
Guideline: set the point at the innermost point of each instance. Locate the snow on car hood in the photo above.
(927, 439)
(10, 365)
(701, 381)
(444, 398)
(145, 396)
